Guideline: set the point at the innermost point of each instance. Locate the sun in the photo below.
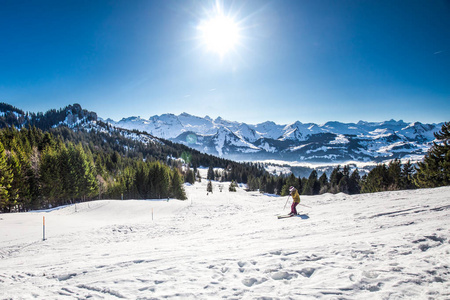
(220, 34)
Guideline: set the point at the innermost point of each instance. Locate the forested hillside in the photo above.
(41, 169)
(68, 155)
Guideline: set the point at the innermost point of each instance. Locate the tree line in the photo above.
(40, 170)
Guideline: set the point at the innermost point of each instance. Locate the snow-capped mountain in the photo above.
(330, 142)
(305, 142)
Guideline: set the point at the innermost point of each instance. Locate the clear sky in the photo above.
(307, 60)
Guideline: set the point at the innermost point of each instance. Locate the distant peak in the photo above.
(109, 120)
(296, 124)
(132, 118)
(267, 124)
(394, 122)
(168, 115)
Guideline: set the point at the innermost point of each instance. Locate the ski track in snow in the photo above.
(391, 245)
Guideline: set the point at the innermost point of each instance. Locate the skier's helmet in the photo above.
(291, 189)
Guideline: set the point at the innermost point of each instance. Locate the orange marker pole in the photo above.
(43, 229)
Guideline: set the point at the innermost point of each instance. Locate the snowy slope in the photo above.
(330, 142)
(392, 245)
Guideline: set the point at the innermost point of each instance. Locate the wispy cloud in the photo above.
(439, 52)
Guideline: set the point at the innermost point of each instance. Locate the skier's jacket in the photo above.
(295, 196)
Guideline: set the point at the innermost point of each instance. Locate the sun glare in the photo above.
(219, 34)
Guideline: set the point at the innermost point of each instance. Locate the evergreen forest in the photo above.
(42, 169)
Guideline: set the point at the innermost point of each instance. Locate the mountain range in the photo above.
(305, 142)
(332, 142)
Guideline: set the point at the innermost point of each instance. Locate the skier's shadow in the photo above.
(304, 217)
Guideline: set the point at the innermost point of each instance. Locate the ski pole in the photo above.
(286, 202)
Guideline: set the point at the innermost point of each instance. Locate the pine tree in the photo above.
(34, 180)
(434, 171)
(335, 178)
(164, 180)
(346, 171)
(68, 177)
(102, 186)
(343, 185)
(6, 178)
(263, 185)
(199, 177)
(290, 181)
(141, 181)
(177, 189)
(190, 176)
(394, 175)
(18, 183)
(271, 185)
(151, 181)
(232, 187)
(83, 167)
(50, 176)
(279, 185)
(161, 179)
(21, 169)
(253, 183)
(312, 187)
(323, 183)
(407, 176)
(354, 183)
(376, 180)
(210, 174)
(209, 187)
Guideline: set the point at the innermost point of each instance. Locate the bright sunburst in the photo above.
(220, 34)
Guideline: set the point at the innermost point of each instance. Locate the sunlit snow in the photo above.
(387, 245)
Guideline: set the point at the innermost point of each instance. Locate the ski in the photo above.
(285, 216)
(304, 217)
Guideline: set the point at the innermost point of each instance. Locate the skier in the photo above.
(295, 202)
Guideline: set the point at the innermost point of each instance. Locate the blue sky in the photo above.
(312, 61)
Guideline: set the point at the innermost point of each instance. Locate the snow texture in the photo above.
(391, 245)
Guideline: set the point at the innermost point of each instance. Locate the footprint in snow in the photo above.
(307, 272)
(282, 275)
(249, 281)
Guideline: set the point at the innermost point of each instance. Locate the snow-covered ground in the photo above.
(392, 245)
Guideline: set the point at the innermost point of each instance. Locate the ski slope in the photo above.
(391, 245)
